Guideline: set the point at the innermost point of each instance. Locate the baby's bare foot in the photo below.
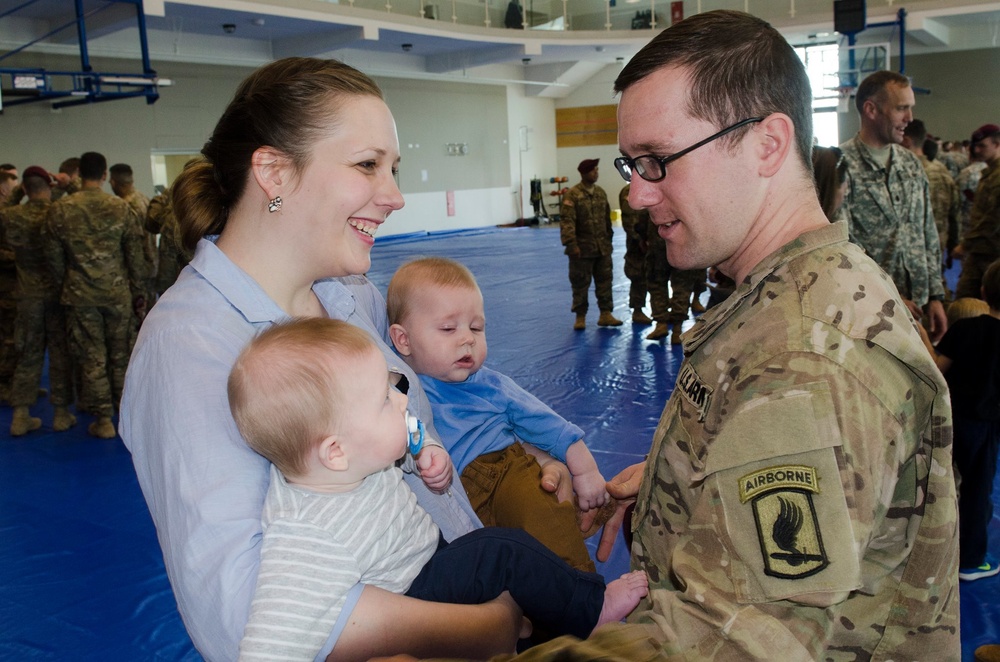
(622, 595)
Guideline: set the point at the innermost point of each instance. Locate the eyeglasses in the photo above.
(653, 168)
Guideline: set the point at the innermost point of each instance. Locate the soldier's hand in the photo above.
(573, 251)
(139, 306)
(624, 488)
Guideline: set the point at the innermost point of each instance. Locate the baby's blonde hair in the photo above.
(420, 273)
(966, 307)
(286, 389)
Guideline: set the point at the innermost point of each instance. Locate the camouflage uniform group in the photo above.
(76, 275)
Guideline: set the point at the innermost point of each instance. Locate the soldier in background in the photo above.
(981, 244)
(67, 178)
(8, 303)
(172, 256)
(888, 204)
(635, 257)
(41, 322)
(686, 285)
(98, 255)
(944, 191)
(585, 228)
(122, 183)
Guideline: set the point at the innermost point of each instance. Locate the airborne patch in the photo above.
(787, 527)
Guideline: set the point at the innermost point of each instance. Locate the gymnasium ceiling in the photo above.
(551, 62)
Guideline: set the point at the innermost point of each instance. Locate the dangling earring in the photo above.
(275, 204)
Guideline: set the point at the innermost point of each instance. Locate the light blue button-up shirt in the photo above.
(204, 486)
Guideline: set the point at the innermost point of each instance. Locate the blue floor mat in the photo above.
(81, 575)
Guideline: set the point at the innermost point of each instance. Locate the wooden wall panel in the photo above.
(586, 125)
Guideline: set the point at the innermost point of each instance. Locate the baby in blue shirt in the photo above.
(438, 326)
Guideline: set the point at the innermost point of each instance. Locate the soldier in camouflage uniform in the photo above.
(888, 205)
(967, 183)
(41, 322)
(798, 501)
(122, 183)
(685, 287)
(98, 255)
(585, 228)
(68, 178)
(172, 256)
(8, 285)
(944, 191)
(634, 223)
(981, 244)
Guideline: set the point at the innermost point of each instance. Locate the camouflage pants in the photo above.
(970, 281)
(683, 283)
(99, 340)
(635, 271)
(658, 279)
(8, 350)
(41, 325)
(581, 271)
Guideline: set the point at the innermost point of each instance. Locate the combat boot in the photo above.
(661, 330)
(675, 335)
(102, 428)
(607, 319)
(63, 420)
(581, 323)
(23, 422)
(696, 307)
(639, 317)
(988, 653)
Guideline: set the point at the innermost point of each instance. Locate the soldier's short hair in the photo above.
(874, 85)
(70, 166)
(739, 67)
(93, 166)
(121, 172)
(991, 285)
(916, 131)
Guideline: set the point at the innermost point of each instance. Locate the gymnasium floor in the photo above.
(81, 574)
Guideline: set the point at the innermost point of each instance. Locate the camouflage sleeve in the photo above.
(54, 252)
(158, 209)
(6, 252)
(954, 214)
(134, 250)
(567, 220)
(799, 509)
(932, 244)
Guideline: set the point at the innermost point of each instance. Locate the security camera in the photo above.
(229, 28)
(407, 48)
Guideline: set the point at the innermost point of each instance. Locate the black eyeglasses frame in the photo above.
(626, 165)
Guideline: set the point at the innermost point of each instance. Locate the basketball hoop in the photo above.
(844, 94)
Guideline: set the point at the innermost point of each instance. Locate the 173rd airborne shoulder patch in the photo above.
(787, 527)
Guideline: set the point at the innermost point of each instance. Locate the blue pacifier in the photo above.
(415, 434)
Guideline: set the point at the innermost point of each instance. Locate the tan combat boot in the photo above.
(675, 336)
(23, 422)
(581, 323)
(639, 317)
(696, 307)
(988, 653)
(102, 428)
(661, 330)
(63, 420)
(607, 319)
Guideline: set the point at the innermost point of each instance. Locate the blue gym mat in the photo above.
(81, 575)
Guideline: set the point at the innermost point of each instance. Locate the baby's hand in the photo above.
(591, 490)
(435, 467)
